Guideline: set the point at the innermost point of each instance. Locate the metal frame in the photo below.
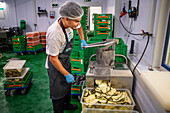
(166, 46)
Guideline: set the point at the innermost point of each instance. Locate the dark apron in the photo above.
(58, 84)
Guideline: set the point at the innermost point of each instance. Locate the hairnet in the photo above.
(71, 10)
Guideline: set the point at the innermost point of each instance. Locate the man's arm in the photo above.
(57, 64)
(80, 32)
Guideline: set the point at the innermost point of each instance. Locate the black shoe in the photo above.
(70, 107)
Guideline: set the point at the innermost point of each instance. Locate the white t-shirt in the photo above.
(55, 40)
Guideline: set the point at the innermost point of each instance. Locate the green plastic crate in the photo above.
(77, 40)
(76, 61)
(96, 39)
(77, 89)
(102, 16)
(120, 40)
(75, 31)
(89, 52)
(102, 34)
(77, 70)
(19, 84)
(21, 38)
(121, 49)
(103, 28)
(19, 44)
(34, 48)
(76, 47)
(102, 22)
(19, 49)
(77, 53)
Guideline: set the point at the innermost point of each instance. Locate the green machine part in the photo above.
(22, 25)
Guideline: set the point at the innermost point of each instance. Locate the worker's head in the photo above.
(72, 13)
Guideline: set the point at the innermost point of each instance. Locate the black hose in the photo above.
(126, 29)
(142, 54)
(137, 34)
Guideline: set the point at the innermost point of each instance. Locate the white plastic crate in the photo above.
(108, 106)
(92, 110)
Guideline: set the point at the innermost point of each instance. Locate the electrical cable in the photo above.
(144, 34)
(126, 29)
(141, 55)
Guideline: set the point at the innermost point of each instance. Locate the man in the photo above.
(58, 50)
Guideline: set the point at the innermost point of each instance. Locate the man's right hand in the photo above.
(70, 78)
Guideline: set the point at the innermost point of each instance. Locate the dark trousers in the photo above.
(58, 105)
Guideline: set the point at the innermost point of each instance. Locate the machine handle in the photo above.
(75, 89)
(104, 43)
(16, 42)
(76, 69)
(102, 33)
(14, 85)
(76, 60)
(102, 27)
(15, 38)
(102, 17)
(103, 22)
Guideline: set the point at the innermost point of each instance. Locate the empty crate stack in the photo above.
(43, 39)
(33, 42)
(102, 26)
(77, 57)
(84, 21)
(19, 43)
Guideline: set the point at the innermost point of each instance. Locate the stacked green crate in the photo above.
(19, 43)
(77, 62)
(103, 25)
(77, 55)
(84, 21)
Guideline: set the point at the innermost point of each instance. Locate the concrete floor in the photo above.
(36, 99)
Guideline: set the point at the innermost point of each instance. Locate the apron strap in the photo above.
(64, 30)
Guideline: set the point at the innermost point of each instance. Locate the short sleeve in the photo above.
(54, 44)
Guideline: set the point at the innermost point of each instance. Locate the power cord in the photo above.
(142, 34)
(141, 55)
(126, 29)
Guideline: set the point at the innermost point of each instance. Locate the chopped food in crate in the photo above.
(103, 93)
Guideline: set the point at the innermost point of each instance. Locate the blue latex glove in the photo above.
(70, 78)
(83, 43)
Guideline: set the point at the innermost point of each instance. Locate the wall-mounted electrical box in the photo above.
(133, 11)
(52, 14)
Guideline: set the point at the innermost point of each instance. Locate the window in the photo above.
(166, 53)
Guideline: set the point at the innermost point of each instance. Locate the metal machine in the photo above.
(104, 67)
